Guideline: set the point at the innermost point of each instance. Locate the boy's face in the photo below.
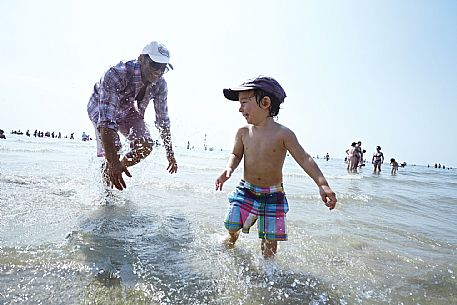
(249, 108)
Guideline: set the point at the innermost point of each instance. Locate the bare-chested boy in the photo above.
(264, 143)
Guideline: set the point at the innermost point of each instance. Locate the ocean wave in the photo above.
(346, 177)
(30, 150)
(201, 167)
(353, 197)
(21, 180)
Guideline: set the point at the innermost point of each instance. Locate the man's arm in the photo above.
(310, 167)
(115, 166)
(163, 122)
(166, 137)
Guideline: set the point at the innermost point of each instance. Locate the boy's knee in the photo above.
(234, 234)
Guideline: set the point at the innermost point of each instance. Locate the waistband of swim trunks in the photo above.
(262, 190)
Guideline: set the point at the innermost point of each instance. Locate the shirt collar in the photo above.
(137, 74)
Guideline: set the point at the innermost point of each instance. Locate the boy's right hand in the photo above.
(328, 196)
(222, 178)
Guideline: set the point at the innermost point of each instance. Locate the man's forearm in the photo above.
(108, 137)
(166, 137)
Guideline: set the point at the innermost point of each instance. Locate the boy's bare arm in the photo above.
(234, 160)
(303, 158)
(310, 167)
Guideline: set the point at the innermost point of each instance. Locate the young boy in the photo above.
(264, 143)
(394, 165)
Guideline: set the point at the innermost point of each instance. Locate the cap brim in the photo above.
(159, 59)
(232, 93)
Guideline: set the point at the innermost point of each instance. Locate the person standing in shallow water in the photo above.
(263, 143)
(377, 159)
(394, 165)
(352, 158)
(118, 104)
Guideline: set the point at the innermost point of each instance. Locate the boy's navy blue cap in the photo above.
(267, 84)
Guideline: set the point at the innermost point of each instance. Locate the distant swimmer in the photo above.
(118, 104)
(2, 134)
(360, 152)
(377, 159)
(264, 143)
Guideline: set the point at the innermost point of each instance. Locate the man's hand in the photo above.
(222, 178)
(328, 196)
(114, 167)
(114, 170)
(172, 165)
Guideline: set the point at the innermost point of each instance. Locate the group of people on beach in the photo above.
(118, 103)
(438, 165)
(43, 134)
(354, 156)
(354, 159)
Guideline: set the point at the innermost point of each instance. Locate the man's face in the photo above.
(150, 70)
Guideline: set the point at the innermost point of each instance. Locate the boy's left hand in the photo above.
(328, 196)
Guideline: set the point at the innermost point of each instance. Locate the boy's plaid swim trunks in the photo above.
(249, 202)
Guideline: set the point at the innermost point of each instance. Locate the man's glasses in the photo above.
(162, 67)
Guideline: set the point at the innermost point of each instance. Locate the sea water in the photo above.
(390, 240)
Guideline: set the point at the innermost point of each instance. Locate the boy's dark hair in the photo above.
(275, 102)
(392, 160)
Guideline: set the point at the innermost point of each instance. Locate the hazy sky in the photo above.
(383, 72)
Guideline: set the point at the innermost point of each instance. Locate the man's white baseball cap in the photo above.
(158, 52)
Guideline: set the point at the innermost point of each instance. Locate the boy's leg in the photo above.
(272, 223)
(233, 223)
(229, 242)
(269, 248)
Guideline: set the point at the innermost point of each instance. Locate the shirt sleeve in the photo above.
(161, 106)
(112, 85)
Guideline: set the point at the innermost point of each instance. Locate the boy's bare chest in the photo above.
(261, 146)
